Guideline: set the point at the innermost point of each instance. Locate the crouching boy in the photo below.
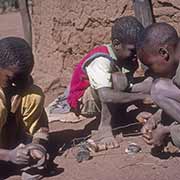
(23, 121)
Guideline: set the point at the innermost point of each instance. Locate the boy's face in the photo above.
(129, 51)
(125, 52)
(161, 65)
(21, 81)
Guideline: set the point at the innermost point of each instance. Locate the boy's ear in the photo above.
(164, 53)
(116, 43)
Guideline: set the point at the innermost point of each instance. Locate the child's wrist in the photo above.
(7, 156)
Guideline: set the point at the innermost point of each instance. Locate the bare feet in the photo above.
(103, 139)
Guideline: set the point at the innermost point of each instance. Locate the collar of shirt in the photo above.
(111, 52)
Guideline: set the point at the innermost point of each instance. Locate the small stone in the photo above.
(133, 148)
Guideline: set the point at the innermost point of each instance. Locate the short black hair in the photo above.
(16, 52)
(127, 30)
(157, 34)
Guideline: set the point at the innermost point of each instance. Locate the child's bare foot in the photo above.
(103, 139)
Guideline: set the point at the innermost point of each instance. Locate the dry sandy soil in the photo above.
(111, 164)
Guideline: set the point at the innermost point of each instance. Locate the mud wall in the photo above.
(64, 30)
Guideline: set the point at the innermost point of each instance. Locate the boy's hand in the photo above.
(158, 136)
(38, 154)
(143, 116)
(147, 129)
(151, 124)
(19, 155)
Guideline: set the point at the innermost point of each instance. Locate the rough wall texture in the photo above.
(64, 30)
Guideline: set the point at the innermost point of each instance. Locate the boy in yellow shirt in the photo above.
(23, 121)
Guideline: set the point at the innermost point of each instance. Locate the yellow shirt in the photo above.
(29, 117)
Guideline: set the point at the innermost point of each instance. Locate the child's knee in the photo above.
(159, 89)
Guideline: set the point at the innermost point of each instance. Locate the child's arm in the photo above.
(35, 118)
(143, 87)
(108, 95)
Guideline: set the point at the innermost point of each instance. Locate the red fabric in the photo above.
(79, 80)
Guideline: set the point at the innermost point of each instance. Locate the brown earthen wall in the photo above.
(64, 30)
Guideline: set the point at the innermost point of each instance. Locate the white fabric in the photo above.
(99, 73)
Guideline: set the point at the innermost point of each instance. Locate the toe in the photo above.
(116, 144)
(102, 147)
(110, 145)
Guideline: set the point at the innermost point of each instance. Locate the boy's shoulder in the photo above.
(33, 90)
(98, 49)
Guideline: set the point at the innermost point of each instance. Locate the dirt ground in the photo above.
(111, 164)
